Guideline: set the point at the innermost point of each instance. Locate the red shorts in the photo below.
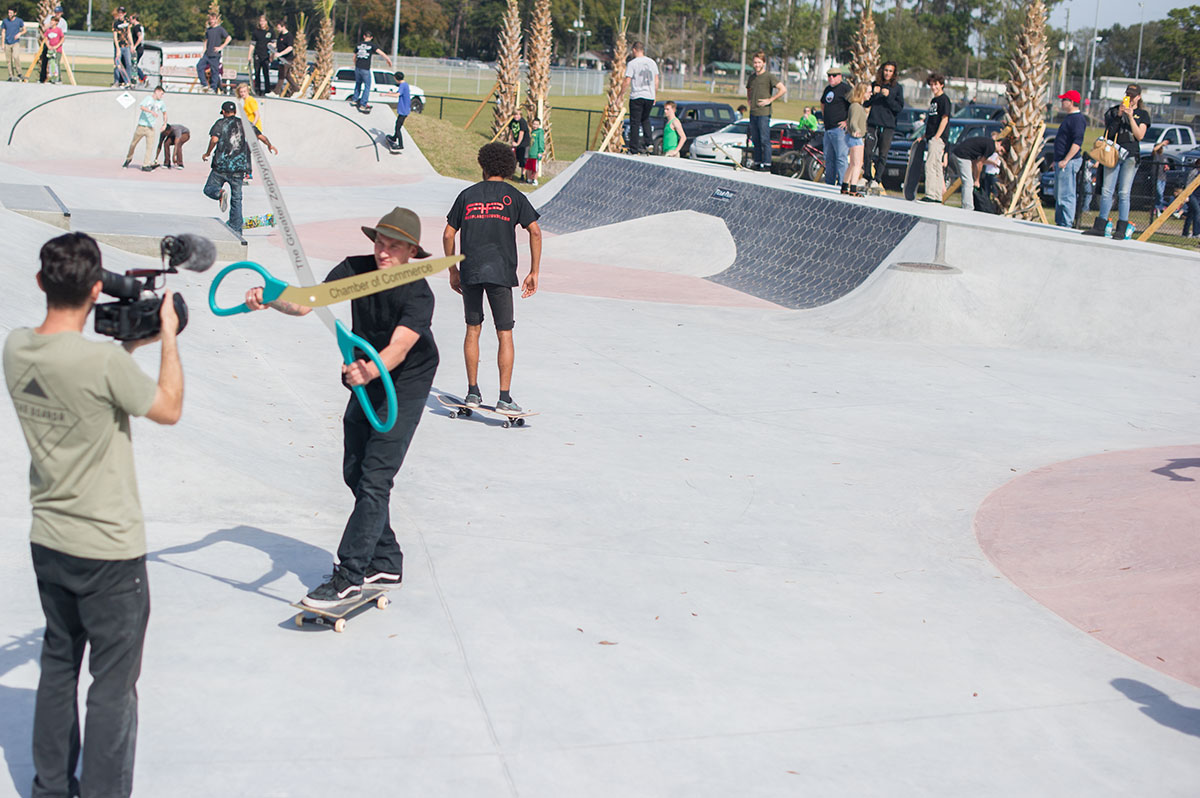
(531, 164)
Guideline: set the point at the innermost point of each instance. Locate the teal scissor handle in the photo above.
(348, 342)
(272, 288)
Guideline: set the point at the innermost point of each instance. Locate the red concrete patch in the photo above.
(1112, 544)
(196, 171)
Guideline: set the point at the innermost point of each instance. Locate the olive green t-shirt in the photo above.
(760, 87)
(73, 398)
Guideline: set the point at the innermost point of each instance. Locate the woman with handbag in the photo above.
(1124, 125)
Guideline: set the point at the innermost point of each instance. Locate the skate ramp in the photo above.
(42, 123)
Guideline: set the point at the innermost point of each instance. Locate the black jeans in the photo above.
(262, 75)
(107, 604)
(370, 462)
(399, 127)
(879, 141)
(639, 123)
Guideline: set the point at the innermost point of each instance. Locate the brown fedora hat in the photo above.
(400, 224)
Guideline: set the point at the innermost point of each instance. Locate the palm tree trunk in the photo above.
(508, 68)
(1026, 93)
(614, 110)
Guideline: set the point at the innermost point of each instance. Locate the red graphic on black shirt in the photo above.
(488, 210)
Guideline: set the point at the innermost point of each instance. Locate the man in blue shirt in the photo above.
(403, 108)
(14, 28)
(1068, 157)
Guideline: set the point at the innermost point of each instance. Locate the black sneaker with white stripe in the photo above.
(338, 590)
(376, 578)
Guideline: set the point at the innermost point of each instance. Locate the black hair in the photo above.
(368, 35)
(497, 160)
(895, 74)
(70, 267)
(398, 75)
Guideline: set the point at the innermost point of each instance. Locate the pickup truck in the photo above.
(1179, 139)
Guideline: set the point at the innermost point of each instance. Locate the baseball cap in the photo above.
(834, 70)
(1072, 95)
(400, 224)
(58, 9)
(228, 106)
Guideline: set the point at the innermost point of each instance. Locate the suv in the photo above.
(384, 88)
(1179, 139)
(975, 110)
(698, 118)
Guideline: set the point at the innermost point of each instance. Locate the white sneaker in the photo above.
(224, 200)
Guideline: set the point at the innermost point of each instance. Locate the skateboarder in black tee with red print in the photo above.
(487, 215)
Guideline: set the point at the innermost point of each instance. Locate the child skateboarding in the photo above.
(397, 323)
(486, 215)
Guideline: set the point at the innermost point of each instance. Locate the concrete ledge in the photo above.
(140, 233)
(36, 202)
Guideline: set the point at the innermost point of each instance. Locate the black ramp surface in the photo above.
(793, 249)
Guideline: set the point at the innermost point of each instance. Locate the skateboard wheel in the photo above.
(520, 422)
(299, 619)
(506, 424)
(382, 602)
(339, 625)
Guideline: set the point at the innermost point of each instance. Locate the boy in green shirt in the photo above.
(537, 146)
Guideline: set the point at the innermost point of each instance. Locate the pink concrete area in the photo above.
(196, 171)
(337, 238)
(1112, 544)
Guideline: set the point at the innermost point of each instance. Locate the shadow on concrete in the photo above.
(1170, 469)
(288, 555)
(1159, 707)
(16, 708)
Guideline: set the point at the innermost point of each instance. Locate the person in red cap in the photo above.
(1068, 157)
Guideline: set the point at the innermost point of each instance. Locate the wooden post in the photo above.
(1034, 152)
(1152, 228)
(318, 94)
(36, 59)
(66, 63)
(482, 104)
(503, 129)
(302, 92)
(611, 131)
(953, 187)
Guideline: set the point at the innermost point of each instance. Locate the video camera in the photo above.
(134, 315)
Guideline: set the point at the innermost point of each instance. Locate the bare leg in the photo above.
(471, 353)
(504, 357)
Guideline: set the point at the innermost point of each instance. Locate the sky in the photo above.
(1112, 12)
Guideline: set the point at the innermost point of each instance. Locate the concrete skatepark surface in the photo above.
(873, 548)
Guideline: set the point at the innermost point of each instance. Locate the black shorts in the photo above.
(500, 299)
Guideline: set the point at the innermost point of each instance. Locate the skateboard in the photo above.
(458, 409)
(363, 109)
(389, 142)
(916, 169)
(262, 220)
(336, 616)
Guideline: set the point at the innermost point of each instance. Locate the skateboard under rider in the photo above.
(337, 616)
(460, 409)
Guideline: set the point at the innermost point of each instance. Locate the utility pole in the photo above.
(396, 32)
(745, 32)
(646, 37)
(824, 34)
(1091, 87)
(1062, 81)
(1137, 73)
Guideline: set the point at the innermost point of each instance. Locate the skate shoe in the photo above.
(338, 590)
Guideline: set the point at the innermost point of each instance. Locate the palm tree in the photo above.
(865, 48)
(1026, 93)
(324, 71)
(541, 42)
(299, 69)
(614, 110)
(508, 69)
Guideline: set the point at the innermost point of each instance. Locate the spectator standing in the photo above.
(138, 30)
(403, 109)
(1126, 124)
(885, 102)
(808, 120)
(285, 42)
(122, 50)
(641, 84)
(970, 155)
(518, 132)
(673, 134)
(171, 139)
(856, 130)
(537, 146)
(742, 112)
(1068, 157)
(208, 68)
(936, 121)
(836, 104)
(54, 35)
(14, 28)
(263, 44)
(1158, 159)
(231, 160)
(762, 89)
(250, 106)
(88, 537)
(1191, 211)
(152, 115)
(363, 53)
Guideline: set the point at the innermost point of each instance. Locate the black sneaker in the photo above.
(378, 578)
(337, 590)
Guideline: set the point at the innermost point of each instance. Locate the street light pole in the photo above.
(1091, 87)
(396, 32)
(745, 31)
(1062, 83)
(1137, 73)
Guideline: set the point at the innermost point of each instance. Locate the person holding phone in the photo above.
(1125, 123)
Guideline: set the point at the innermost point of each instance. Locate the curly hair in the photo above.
(497, 160)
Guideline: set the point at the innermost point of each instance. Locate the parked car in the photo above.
(908, 120)
(698, 118)
(733, 140)
(384, 88)
(1178, 138)
(981, 111)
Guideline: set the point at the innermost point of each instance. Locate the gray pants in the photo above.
(967, 175)
(107, 604)
(13, 58)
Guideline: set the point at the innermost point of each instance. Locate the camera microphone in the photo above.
(188, 251)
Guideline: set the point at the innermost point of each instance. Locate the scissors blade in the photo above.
(360, 285)
(283, 219)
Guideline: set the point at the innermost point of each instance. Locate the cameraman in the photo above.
(73, 399)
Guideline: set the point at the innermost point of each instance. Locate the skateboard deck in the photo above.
(916, 169)
(336, 616)
(262, 220)
(462, 410)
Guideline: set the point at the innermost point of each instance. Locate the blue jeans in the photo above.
(1191, 216)
(837, 155)
(1126, 168)
(1065, 184)
(123, 66)
(760, 139)
(212, 190)
(362, 87)
(213, 62)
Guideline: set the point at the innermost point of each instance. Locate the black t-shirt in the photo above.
(975, 148)
(487, 214)
(939, 109)
(519, 130)
(375, 318)
(212, 40)
(231, 154)
(286, 40)
(262, 43)
(1117, 123)
(363, 53)
(137, 33)
(836, 103)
